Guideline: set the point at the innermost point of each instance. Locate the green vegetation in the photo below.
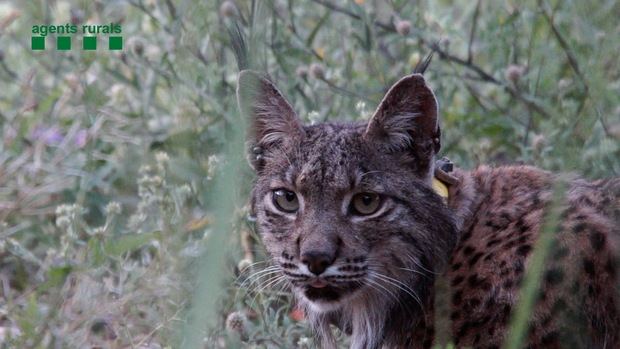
(123, 219)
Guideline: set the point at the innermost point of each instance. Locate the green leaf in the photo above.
(95, 252)
(127, 243)
(28, 319)
(48, 102)
(56, 277)
(94, 96)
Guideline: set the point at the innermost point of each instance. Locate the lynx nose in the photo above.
(316, 262)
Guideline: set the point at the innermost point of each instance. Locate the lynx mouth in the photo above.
(318, 283)
(329, 292)
(324, 293)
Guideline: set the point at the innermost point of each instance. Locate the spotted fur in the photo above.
(373, 275)
(577, 305)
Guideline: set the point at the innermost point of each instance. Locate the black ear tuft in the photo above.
(239, 46)
(421, 66)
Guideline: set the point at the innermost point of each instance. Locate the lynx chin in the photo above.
(355, 217)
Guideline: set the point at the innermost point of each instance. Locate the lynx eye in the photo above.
(285, 200)
(365, 203)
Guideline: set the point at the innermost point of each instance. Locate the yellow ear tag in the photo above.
(440, 188)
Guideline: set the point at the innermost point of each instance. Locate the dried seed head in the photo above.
(302, 72)
(152, 52)
(538, 142)
(564, 83)
(145, 170)
(514, 72)
(67, 214)
(162, 157)
(99, 231)
(77, 16)
(237, 323)
(317, 71)
(403, 27)
(228, 9)
(304, 343)
(360, 107)
(137, 46)
(63, 222)
(314, 117)
(113, 208)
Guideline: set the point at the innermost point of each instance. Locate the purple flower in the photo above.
(81, 137)
(48, 135)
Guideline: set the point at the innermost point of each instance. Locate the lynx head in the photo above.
(346, 210)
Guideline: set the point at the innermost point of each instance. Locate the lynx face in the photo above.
(346, 210)
(331, 212)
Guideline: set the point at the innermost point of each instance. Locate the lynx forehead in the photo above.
(349, 217)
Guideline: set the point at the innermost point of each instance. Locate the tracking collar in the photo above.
(440, 188)
(442, 178)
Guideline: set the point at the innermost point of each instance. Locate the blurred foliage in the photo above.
(108, 160)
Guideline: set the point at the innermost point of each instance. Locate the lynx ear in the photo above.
(272, 120)
(406, 121)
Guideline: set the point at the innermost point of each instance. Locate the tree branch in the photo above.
(443, 54)
(574, 64)
(473, 32)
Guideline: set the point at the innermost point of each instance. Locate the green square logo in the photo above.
(38, 43)
(89, 43)
(63, 43)
(115, 43)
